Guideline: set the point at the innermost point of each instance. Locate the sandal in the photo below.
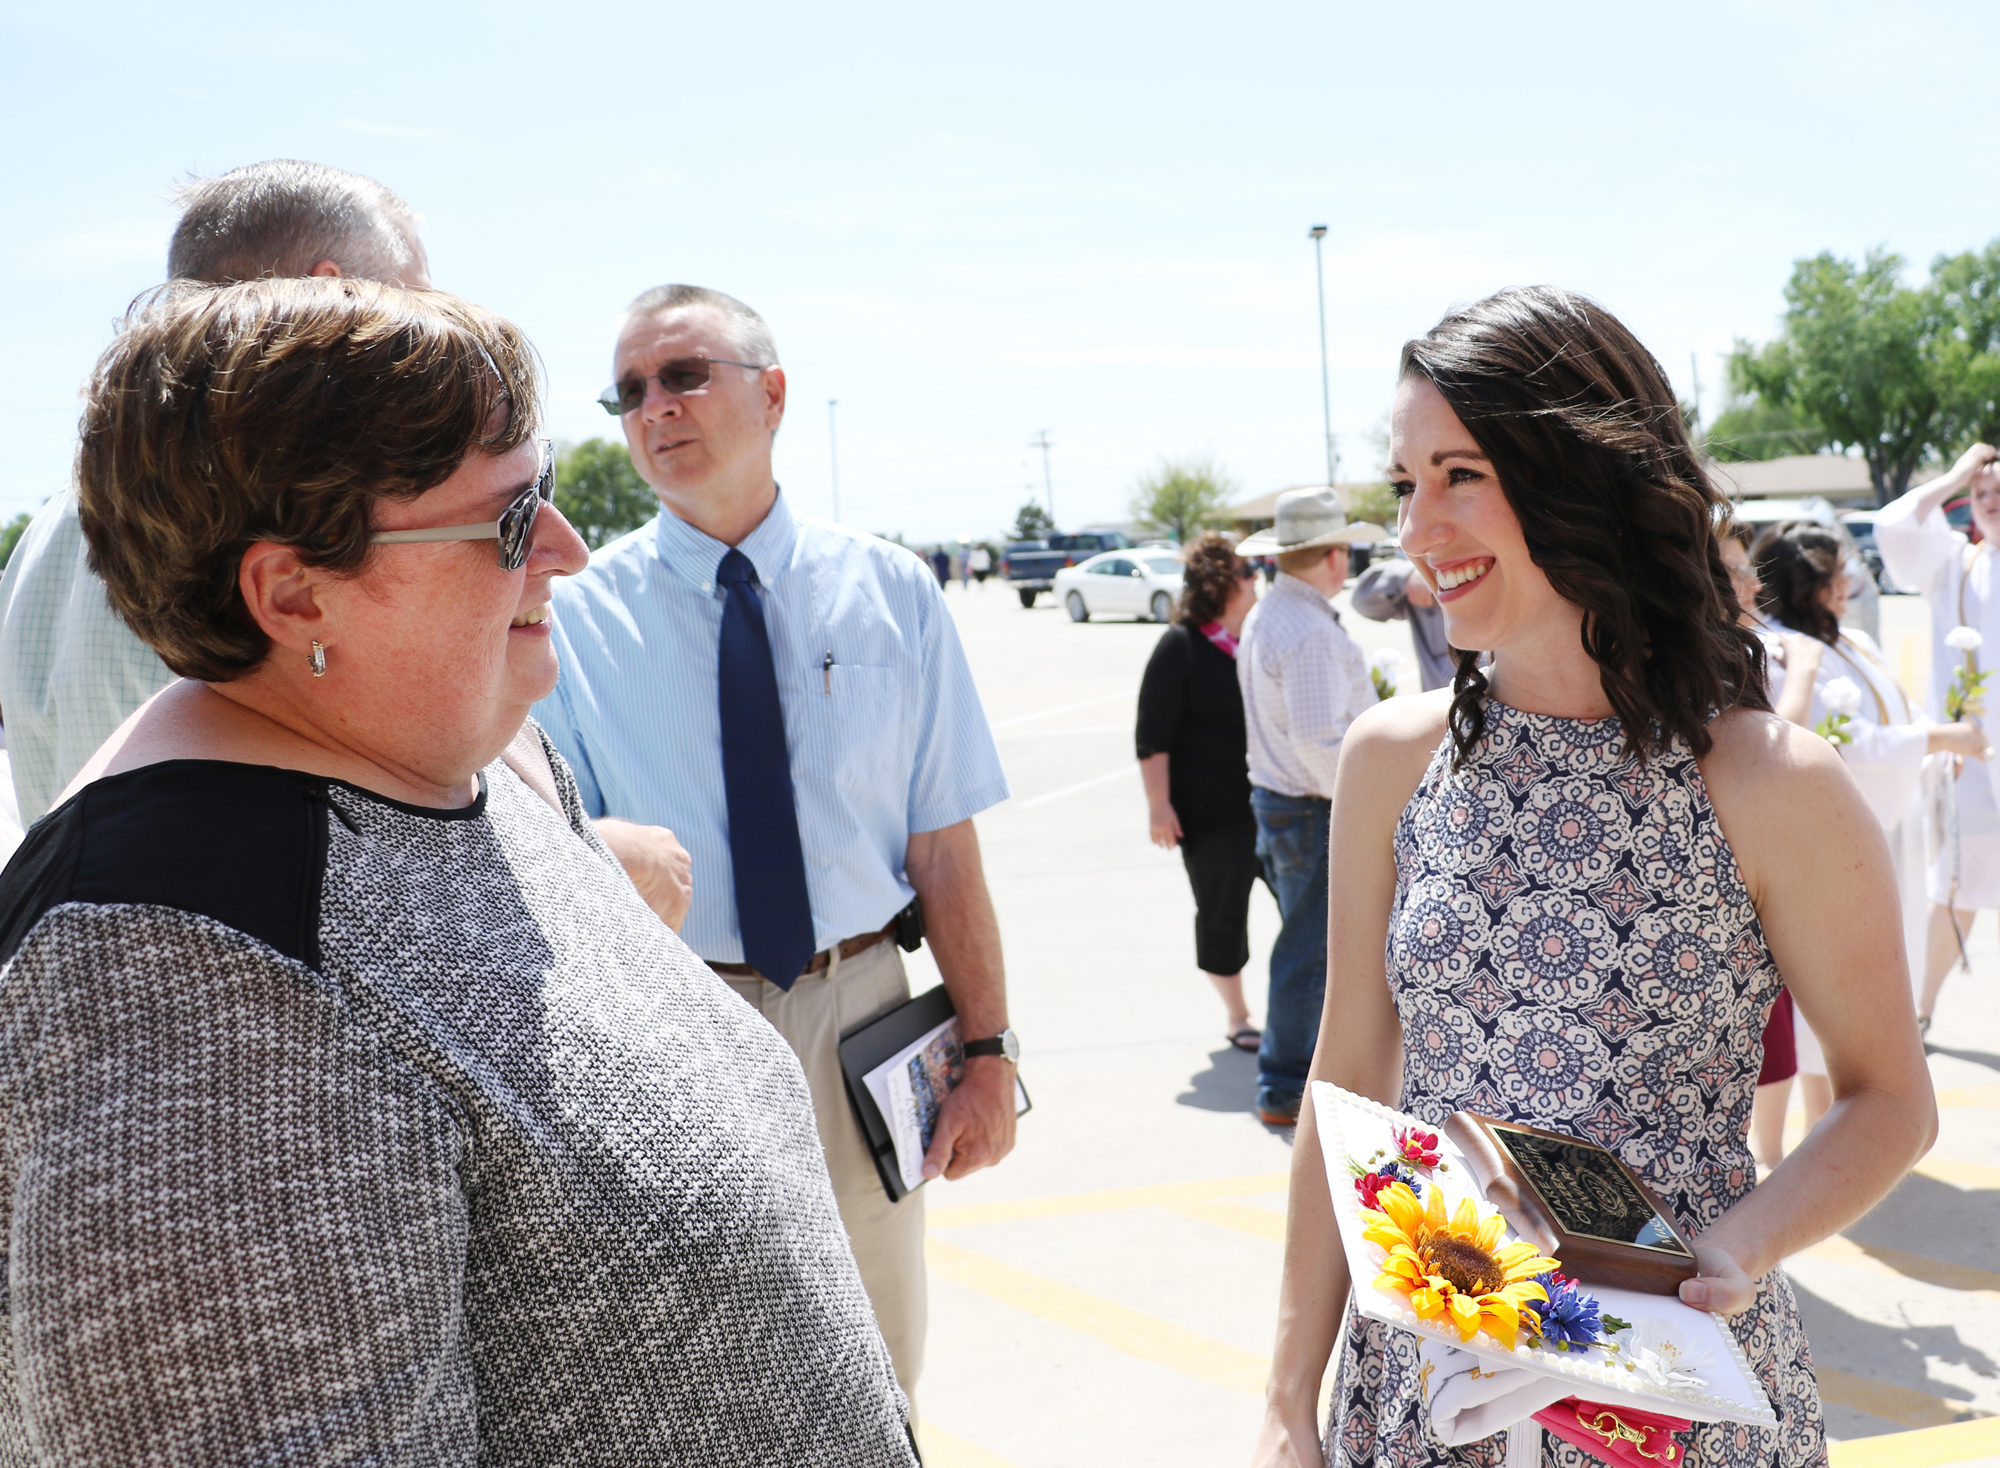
(1247, 1038)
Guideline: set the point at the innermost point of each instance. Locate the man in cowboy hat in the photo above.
(1304, 681)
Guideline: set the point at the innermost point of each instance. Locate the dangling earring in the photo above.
(317, 661)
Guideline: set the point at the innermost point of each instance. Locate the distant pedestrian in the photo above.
(1304, 681)
(941, 565)
(964, 568)
(71, 670)
(982, 563)
(1388, 592)
(1191, 748)
(1885, 738)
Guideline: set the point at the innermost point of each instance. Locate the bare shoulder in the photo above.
(1388, 748)
(1780, 792)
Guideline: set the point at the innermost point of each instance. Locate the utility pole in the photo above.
(833, 456)
(1694, 368)
(1316, 234)
(1041, 441)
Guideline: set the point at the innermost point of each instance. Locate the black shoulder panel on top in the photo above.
(243, 844)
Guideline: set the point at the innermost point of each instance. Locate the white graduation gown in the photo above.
(1961, 584)
(1886, 755)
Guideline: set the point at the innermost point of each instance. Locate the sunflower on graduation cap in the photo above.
(1453, 1267)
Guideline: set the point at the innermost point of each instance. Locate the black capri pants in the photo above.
(1222, 867)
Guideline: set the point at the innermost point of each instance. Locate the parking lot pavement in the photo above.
(1108, 1294)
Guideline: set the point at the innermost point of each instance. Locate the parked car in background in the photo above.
(1031, 565)
(1143, 584)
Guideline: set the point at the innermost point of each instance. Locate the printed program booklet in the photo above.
(899, 1069)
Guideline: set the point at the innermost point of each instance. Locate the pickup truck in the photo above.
(1031, 565)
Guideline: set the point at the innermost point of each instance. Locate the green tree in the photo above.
(1032, 522)
(1373, 502)
(1861, 362)
(1750, 428)
(1968, 292)
(10, 536)
(600, 493)
(1182, 496)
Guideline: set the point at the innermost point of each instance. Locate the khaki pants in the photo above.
(888, 1238)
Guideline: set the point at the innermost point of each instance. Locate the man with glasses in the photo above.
(791, 697)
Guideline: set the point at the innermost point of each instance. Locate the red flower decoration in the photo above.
(1418, 1148)
(1368, 1185)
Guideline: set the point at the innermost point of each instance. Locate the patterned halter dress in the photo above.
(1572, 946)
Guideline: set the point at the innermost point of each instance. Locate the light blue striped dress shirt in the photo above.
(891, 739)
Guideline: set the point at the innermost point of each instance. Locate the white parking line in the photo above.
(1066, 708)
(1131, 769)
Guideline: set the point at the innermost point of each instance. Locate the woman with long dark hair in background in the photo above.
(1883, 737)
(1191, 757)
(1572, 885)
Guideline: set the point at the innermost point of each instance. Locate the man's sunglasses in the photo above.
(683, 374)
(514, 529)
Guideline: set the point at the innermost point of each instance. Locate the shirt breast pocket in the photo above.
(855, 726)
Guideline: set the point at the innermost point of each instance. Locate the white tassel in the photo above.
(1524, 1445)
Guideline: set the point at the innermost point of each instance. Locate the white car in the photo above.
(1142, 583)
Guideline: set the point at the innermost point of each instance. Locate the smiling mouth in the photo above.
(1463, 575)
(533, 617)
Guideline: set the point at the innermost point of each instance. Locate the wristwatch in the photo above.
(1005, 1043)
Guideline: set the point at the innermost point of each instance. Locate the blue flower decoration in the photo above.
(1570, 1318)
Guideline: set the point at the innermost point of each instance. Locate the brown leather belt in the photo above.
(817, 964)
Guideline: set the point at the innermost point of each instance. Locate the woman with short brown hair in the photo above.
(340, 1052)
(1191, 744)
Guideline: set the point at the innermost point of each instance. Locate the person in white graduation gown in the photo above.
(1886, 738)
(1960, 580)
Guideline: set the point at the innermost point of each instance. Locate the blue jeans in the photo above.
(1291, 846)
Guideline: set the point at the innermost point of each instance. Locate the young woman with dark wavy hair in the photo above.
(1573, 884)
(1886, 737)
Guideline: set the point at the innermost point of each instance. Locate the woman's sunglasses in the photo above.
(683, 374)
(514, 529)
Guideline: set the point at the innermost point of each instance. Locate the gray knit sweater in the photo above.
(341, 1131)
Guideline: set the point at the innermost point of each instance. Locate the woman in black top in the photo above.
(1191, 756)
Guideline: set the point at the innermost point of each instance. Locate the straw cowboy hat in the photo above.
(1308, 519)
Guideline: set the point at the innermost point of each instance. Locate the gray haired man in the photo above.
(71, 671)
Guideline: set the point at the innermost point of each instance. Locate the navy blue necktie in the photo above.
(773, 911)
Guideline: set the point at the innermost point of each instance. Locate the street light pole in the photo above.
(1316, 234)
(1041, 441)
(833, 456)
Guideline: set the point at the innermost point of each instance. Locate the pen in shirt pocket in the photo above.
(827, 669)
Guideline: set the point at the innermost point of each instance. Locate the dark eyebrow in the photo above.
(1442, 454)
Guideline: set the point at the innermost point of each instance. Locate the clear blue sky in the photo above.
(969, 224)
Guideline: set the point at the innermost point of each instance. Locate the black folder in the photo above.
(867, 1046)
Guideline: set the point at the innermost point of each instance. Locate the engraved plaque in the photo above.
(1587, 1192)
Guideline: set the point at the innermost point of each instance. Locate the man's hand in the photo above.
(659, 866)
(1164, 824)
(975, 1126)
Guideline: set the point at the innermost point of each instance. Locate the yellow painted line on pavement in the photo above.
(1245, 1218)
(1131, 1331)
(942, 1450)
(1959, 1174)
(1890, 1403)
(1952, 1096)
(1938, 1272)
(1931, 1448)
(1159, 1195)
